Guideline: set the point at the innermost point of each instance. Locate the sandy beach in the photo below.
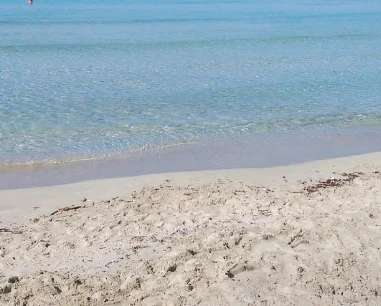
(307, 234)
(175, 153)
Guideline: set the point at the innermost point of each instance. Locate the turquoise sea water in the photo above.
(83, 78)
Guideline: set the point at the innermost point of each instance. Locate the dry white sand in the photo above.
(233, 237)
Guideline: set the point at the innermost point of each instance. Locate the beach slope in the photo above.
(307, 234)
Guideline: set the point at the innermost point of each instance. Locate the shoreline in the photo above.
(99, 189)
(255, 151)
(300, 234)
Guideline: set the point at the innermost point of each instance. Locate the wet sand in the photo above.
(256, 151)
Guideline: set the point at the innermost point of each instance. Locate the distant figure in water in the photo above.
(30, 1)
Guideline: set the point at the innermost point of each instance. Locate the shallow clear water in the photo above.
(93, 78)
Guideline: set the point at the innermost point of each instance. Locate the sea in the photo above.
(104, 88)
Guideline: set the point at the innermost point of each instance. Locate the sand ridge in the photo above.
(220, 243)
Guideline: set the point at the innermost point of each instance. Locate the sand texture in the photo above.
(221, 241)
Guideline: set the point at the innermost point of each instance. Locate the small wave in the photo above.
(107, 22)
(119, 155)
(79, 47)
